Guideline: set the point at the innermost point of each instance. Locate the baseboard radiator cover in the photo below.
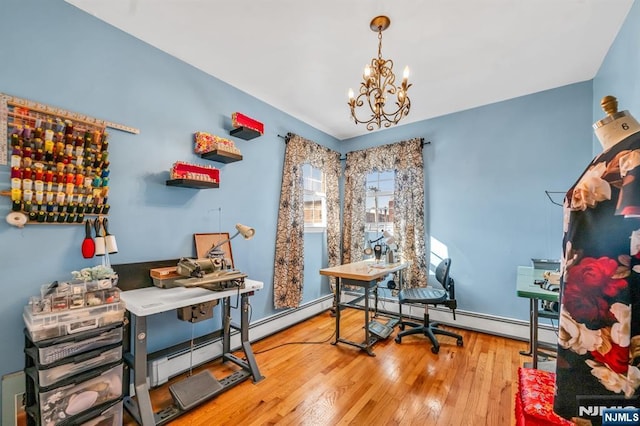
(483, 323)
(165, 367)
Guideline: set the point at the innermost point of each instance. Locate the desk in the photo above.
(144, 302)
(364, 274)
(526, 288)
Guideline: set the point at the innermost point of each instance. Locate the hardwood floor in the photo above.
(404, 384)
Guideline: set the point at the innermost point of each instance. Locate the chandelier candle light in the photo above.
(378, 80)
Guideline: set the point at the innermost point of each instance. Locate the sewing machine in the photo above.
(210, 273)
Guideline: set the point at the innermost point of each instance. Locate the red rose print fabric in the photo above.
(534, 400)
(599, 329)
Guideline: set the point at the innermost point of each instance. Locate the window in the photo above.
(379, 203)
(315, 199)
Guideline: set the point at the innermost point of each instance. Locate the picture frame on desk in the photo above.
(206, 241)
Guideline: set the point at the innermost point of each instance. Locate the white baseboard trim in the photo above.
(163, 368)
(490, 324)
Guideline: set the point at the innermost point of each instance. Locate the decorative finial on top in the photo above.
(609, 104)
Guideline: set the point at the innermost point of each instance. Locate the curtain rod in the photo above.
(422, 141)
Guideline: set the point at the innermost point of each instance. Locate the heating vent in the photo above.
(163, 368)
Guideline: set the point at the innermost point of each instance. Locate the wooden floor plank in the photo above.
(324, 384)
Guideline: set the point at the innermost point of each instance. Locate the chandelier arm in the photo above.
(358, 102)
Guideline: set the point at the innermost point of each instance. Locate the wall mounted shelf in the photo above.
(244, 133)
(192, 183)
(221, 156)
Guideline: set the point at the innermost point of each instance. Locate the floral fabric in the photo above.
(406, 159)
(599, 328)
(289, 256)
(534, 400)
(206, 142)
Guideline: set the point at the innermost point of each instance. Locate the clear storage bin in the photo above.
(76, 398)
(72, 296)
(78, 364)
(55, 324)
(112, 416)
(47, 352)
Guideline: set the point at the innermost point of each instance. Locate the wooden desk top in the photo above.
(365, 270)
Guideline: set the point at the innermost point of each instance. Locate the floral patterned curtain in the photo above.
(406, 159)
(289, 257)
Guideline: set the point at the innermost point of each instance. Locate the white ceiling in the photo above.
(302, 57)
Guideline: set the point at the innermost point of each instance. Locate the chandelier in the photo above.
(378, 81)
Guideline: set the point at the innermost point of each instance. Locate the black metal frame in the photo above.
(141, 408)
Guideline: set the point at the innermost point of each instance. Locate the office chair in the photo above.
(426, 296)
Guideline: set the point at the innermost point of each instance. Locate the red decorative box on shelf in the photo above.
(241, 120)
(193, 175)
(245, 127)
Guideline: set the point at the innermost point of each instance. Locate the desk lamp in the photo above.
(368, 251)
(246, 231)
(389, 239)
(392, 247)
(377, 251)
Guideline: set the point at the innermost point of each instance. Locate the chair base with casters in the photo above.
(426, 296)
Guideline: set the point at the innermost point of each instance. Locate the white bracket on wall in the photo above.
(8, 103)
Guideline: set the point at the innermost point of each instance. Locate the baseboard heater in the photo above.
(490, 324)
(164, 365)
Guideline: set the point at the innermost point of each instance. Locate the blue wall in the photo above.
(56, 54)
(486, 168)
(619, 74)
(486, 171)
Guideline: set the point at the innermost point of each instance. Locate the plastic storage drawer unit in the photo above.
(111, 415)
(68, 367)
(56, 324)
(45, 352)
(77, 395)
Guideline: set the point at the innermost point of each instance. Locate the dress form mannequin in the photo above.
(598, 358)
(616, 125)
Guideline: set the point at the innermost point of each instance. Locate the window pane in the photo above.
(316, 174)
(386, 185)
(379, 202)
(314, 197)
